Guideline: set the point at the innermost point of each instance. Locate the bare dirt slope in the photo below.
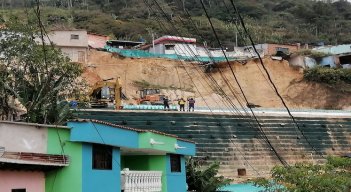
(185, 79)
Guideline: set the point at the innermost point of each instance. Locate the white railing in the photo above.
(142, 181)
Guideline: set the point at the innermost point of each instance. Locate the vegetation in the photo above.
(36, 75)
(272, 21)
(334, 176)
(204, 178)
(310, 53)
(328, 75)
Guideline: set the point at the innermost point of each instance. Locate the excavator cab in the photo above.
(104, 93)
(150, 96)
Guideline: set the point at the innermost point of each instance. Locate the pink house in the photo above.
(97, 41)
(24, 159)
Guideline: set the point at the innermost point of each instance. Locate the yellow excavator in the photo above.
(106, 92)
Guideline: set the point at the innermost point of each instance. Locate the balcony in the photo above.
(148, 181)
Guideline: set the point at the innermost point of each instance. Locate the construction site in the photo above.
(229, 136)
(148, 96)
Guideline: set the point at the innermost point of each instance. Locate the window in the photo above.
(18, 190)
(169, 47)
(102, 157)
(282, 49)
(73, 36)
(175, 163)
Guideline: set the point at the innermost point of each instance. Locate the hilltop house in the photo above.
(269, 49)
(96, 41)
(173, 45)
(340, 55)
(73, 43)
(90, 156)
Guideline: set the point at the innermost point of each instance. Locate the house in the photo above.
(73, 43)
(90, 156)
(26, 156)
(123, 44)
(97, 41)
(173, 45)
(341, 54)
(272, 49)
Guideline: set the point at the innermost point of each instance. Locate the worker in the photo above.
(191, 102)
(165, 103)
(181, 104)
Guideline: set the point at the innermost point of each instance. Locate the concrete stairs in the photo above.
(237, 143)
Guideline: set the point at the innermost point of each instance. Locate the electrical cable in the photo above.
(166, 17)
(187, 50)
(210, 57)
(191, 78)
(269, 77)
(220, 44)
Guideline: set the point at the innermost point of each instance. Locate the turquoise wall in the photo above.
(176, 181)
(144, 54)
(103, 134)
(189, 149)
(101, 180)
(66, 179)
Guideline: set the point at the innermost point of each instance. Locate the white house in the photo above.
(182, 46)
(73, 43)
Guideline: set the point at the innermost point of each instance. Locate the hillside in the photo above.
(272, 21)
(164, 74)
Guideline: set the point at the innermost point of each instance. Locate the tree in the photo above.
(37, 75)
(204, 178)
(334, 176)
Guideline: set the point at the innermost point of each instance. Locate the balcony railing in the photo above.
(146, 181)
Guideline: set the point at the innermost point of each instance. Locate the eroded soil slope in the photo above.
(186, 79)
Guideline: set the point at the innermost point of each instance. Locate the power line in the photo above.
(269, 77)
(220, 44)
(195, 55)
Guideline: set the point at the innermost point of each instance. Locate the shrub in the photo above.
(204, 178)
(328, 75)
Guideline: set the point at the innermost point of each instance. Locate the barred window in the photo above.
(175, 163)
(102, 157)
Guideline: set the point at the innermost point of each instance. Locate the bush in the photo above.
(328, 75)
(202, 178)
(334, 176)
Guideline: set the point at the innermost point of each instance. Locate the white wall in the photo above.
(185, 49)
(73, 53)
(23, 138)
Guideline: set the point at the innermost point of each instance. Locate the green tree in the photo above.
(334, 176)
(204, 178)
(35, 74)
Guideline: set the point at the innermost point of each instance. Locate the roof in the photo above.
(175, 38)
(35, 124)
(124, 43)
(130, 129)
(32, 161)
(97, 34)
